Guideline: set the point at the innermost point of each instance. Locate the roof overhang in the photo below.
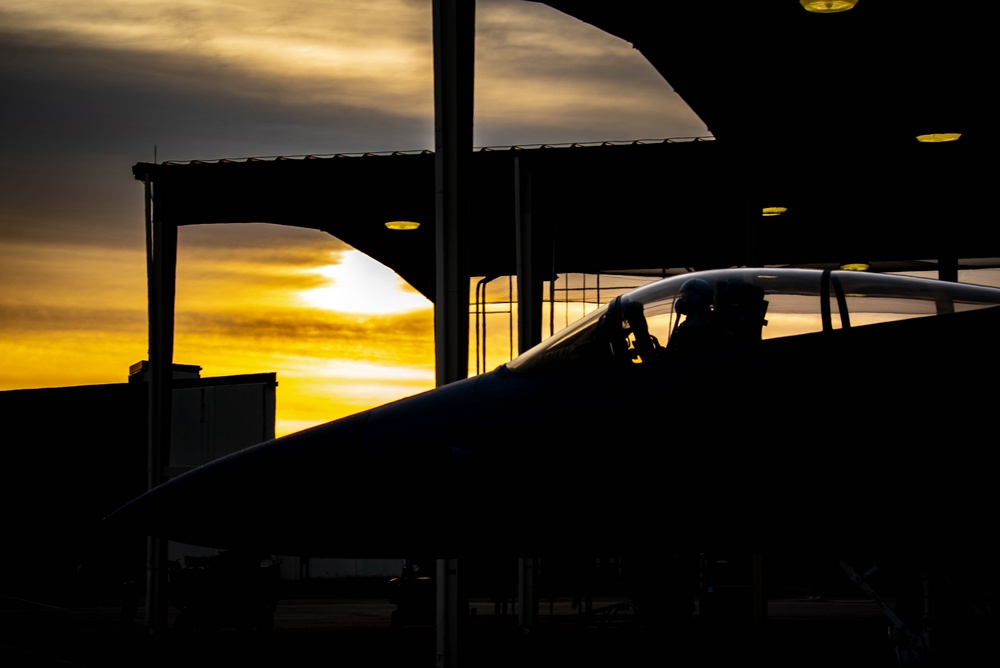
(816, 113)
(771, 71)
(615, 207)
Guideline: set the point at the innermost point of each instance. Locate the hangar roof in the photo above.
(816, 113)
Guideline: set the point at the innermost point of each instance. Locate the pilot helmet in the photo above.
(696, 296)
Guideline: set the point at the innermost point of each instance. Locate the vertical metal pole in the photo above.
(454, 66)
(529, 288)
(510, 320)
(528, 612)
(447, 613)
(529, 332)
(454, 41)
(161, 267)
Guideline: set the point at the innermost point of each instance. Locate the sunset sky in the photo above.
(91, 87)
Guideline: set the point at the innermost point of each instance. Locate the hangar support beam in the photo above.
(161, 270)
(454, 68)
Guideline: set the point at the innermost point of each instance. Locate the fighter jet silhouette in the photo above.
(756, 409)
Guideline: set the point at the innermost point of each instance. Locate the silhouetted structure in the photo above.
(727, 452)
(84, 455)
(783, 135)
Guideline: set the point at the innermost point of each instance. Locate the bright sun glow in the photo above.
(359, 284)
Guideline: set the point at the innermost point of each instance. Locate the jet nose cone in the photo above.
(276, 497)
(391, 481)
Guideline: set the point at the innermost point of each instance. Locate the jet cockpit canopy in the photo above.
(747, 305)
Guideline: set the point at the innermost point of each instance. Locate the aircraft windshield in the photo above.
(747, 305)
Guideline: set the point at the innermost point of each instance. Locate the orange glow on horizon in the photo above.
(343, 332)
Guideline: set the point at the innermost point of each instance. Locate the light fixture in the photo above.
(402, 225)
(940, 137)
(774, 210)
(827, 6)
(855, 266)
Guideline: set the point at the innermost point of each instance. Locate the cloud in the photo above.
(575, 82)
(313, 330)
(339, 54)
(92, 100)
(91, 88)
(328, 365)
(57, 275)
(28, 321)
(69, 141)
(252, 72)
(257, 244)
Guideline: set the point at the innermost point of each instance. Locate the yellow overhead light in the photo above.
(940, 137)
(855, 266)
(402, 225)
(774, 210)
(827, 6)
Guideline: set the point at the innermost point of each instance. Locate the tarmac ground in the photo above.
(805, 631)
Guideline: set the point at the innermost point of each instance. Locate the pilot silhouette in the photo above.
(700, 329)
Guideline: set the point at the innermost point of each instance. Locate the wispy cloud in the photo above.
(320, 52)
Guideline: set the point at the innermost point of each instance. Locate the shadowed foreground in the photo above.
(810, 632)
